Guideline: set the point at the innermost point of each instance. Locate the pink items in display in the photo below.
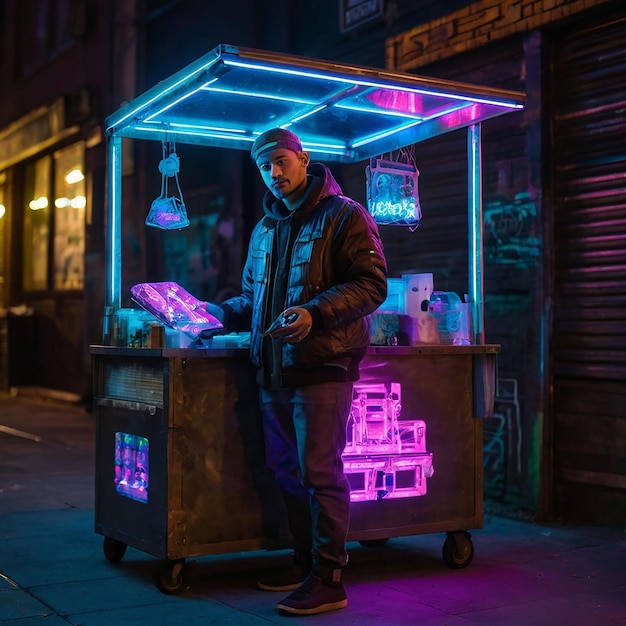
(175, 307)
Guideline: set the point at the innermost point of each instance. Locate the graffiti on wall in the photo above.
(510, 226)
(502, 441)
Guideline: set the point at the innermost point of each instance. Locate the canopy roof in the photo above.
(346, 113)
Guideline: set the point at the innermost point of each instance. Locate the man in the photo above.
(315, 268)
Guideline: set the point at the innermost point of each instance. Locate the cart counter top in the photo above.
(425, 349)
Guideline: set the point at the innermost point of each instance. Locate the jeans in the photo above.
(305, 435)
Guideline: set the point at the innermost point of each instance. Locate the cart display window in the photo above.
(132, 475)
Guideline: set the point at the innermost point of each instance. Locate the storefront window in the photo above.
(69, 217)
(36, 224)
(54, 216)
(4, 200)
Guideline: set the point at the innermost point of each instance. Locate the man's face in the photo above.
(284, 173)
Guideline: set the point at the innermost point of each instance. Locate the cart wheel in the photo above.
(458, 550)
(374, 543)
(114, 550)
(170, 576)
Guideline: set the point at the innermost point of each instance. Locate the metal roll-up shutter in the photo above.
(588, 340)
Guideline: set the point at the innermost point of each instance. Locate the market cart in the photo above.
(179, 453)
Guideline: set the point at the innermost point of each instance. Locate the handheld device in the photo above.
(280, 322)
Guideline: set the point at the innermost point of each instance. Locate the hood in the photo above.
(321, 184)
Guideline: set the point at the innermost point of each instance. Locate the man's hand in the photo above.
(294, 326)
(215, 311)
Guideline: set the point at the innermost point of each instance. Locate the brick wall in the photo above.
(474, 26)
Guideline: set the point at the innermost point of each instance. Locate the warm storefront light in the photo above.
(75, 176)
(79, 202)
(38, 204)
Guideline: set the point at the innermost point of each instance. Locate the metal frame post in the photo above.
(475, 232)
(113, 241)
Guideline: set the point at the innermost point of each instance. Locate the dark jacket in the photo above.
(334, 266)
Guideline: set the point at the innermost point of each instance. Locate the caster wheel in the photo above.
(170, 577)
(374, 543)
(458, 550)
(114, 550)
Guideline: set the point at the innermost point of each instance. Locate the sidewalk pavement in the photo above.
(53, 571)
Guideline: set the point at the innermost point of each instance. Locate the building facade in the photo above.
(554, 200)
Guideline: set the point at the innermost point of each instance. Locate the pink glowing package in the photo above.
(175, 307)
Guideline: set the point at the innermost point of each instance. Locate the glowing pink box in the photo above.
(409, 474)
(175, 307)
(363, 473)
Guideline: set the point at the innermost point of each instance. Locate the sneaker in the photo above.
(314, 596)
(290, 578)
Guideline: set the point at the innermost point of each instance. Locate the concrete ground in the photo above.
(53, 570)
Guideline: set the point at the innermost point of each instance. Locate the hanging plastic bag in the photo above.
(168, 212)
